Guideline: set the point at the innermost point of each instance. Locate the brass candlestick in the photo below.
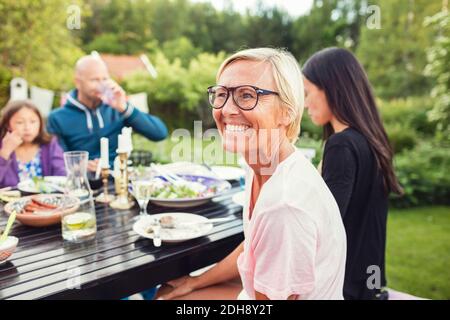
(122, 201)
(105, 197)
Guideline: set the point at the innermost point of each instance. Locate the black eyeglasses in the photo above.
(245, 97)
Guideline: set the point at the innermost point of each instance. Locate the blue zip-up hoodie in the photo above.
(80, 128)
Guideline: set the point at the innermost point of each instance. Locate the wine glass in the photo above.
(141, 187)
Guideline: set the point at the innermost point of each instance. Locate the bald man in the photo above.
(98, 108)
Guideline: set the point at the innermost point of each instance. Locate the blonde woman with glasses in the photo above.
(295, 242)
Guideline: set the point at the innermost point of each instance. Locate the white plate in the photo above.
(29, 187)
(177, 234)
(239, 198)
(228, 173)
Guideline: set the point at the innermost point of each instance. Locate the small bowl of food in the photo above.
(7, 248)
(43, 209)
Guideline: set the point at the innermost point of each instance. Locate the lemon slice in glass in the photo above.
(78, 220)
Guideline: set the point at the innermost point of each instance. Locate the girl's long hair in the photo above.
(349, 94)
(12, 108)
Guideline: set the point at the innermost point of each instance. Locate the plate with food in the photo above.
(48, 184)
(8, 195)
(196, 190)
(42, 209)
(174, 226)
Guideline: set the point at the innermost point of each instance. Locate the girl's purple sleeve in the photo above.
(57, 159)
(4, 167)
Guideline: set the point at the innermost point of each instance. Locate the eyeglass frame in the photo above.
(258, 90)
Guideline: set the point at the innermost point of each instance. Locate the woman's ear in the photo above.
(284, 119)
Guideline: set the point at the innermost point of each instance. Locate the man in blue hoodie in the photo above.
(98, 108)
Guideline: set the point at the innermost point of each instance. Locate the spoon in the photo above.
(156, 226)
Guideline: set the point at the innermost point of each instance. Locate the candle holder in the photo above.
(104, 197)
(122, 201)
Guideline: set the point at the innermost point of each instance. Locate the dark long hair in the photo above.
(12, 108)
(349, 94)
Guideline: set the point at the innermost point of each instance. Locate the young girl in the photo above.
(26, 149)
(357, 163)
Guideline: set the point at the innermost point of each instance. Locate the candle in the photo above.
(104, 153)
(126, 132)
(122, 143)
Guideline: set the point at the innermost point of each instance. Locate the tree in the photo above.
(329, 23)
(394, 55)
(439, 68)
(35, 42)
(180, 48)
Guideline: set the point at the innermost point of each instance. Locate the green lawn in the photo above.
(418, 251)
(418, 240)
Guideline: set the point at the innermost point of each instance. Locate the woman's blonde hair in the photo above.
(288, 80)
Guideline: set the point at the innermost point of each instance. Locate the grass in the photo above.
(418, 240)
(418, 251)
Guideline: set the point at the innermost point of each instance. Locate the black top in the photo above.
(350, 171)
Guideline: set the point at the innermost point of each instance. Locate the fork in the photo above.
(169, 176)
(174, 225)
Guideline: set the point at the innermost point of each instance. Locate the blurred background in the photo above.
(166, 52)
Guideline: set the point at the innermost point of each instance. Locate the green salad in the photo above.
(165, 190)
(41, 185)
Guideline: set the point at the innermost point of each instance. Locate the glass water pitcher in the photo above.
(78, 225)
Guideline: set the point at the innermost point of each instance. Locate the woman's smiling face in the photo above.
(248, 132)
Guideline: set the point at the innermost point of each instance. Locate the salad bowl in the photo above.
(166, 194)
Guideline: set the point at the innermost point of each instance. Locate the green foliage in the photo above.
(180, 48)
(330, 23)
(179, 92)
(401, 137)
(406, 121)
(35, 42)
(394, 55)
(423, 173)
(308, 129)
(5, 78)
(106, 42)
(126, 24)
(439, 68)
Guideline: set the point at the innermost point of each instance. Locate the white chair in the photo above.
(18, 89)
(43, 99)
(139, 100)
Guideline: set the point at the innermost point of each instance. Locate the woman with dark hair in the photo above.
(357, 163)
(26, 149)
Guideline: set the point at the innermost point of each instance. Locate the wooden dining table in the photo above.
(118, 262)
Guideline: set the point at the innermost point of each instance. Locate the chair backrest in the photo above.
(43, 99)
(18, 89)
(139, 100)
